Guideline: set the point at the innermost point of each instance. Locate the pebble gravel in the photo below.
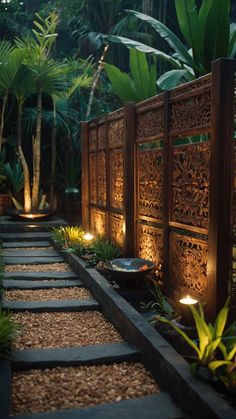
(48, 295)
(36, 391)
(63, 329)
(47, 267)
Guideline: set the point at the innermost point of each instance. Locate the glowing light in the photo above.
(32, 216)
(88, 237)
(188, 300)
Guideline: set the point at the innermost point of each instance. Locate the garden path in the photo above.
(69, 361)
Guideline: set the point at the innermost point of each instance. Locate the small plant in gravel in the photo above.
(68, 236)
(8, 331)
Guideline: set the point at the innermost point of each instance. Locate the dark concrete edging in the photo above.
(168, 367)
(49, 306)
(5, 387)
(77, 355)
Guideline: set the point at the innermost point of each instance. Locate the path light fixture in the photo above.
(186, 315)
(88, 237)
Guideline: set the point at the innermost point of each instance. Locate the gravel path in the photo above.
(47, 267)
(60, 388)
(46, 295)
(56, 330)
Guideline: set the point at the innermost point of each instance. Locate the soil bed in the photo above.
(46, 295)
(47, 267)
(60, 388)
(56, 330)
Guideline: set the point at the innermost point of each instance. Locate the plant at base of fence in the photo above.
(8, 331)
(160, 303)
(68, 236)
(105, 250)
(210, 336)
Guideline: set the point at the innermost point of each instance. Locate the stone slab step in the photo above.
(51, 306)
(29, 236)
(80, 355)
(156, 406)
(30, 253)
(37, 285)
(40, 275)
(9, 245)
(32, 260)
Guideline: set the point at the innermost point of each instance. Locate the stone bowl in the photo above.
(129, 268)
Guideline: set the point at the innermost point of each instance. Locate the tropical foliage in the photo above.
(207, 35)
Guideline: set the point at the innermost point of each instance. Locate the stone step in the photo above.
(80, 355)
(40, 275)
(51, 306)
(36, 285)
(28, 236)
(8, 245)
(32, 260)
(156, 406)
(30, 253)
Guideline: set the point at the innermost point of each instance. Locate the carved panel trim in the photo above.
(150, 243)
(150, 183)
(116, 179)
(150, 123)
(92, 138)
(98, 221)
(188, 264)
(116, 132)
(101, 136)
(117, 229)
(193, 86)
(191, 113)
(190, 184)
(101, 178)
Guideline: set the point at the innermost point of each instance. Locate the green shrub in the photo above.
(68, 236)
(104, 249)
(8, 331)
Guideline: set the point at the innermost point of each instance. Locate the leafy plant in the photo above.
(8, 331)
(68, 236)
(15, 177)
(105, 250)
(210, 339)
(140, 85)
(207, 33)
(160, 303)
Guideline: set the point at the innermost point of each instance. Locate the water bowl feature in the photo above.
(129, 268)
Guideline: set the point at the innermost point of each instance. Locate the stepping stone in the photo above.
(32, 260)
(29, 236)
(40, 275)
(81, 355)
(156, 406)
(48, 306)
(36, 285)
(23, 244)
(30, 253)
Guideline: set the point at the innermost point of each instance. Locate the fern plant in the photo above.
(8, 331)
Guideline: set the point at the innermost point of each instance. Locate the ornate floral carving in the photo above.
(150, 103)
(191, 113)
(188, 263)
(116, 229)
(150, 123)
(150, 243)
(150, 183)
(117, 174)
(188, 88)
(101, 178)
(92, 178)
(101, 136)
(98, 221)
(116, 132)
(190, 184)
(92, 138)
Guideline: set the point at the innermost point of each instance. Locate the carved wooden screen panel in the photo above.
(190, 123)
(149, 179)
(116, 177)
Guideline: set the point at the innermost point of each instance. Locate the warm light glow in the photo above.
(188, 300)
(88, 237)
(32, 216)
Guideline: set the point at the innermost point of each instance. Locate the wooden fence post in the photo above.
(85, 175)
(129, 180)
(221, 184)
(166, 193)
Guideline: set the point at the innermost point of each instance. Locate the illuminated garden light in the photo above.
(88, 237)
(188, 300)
